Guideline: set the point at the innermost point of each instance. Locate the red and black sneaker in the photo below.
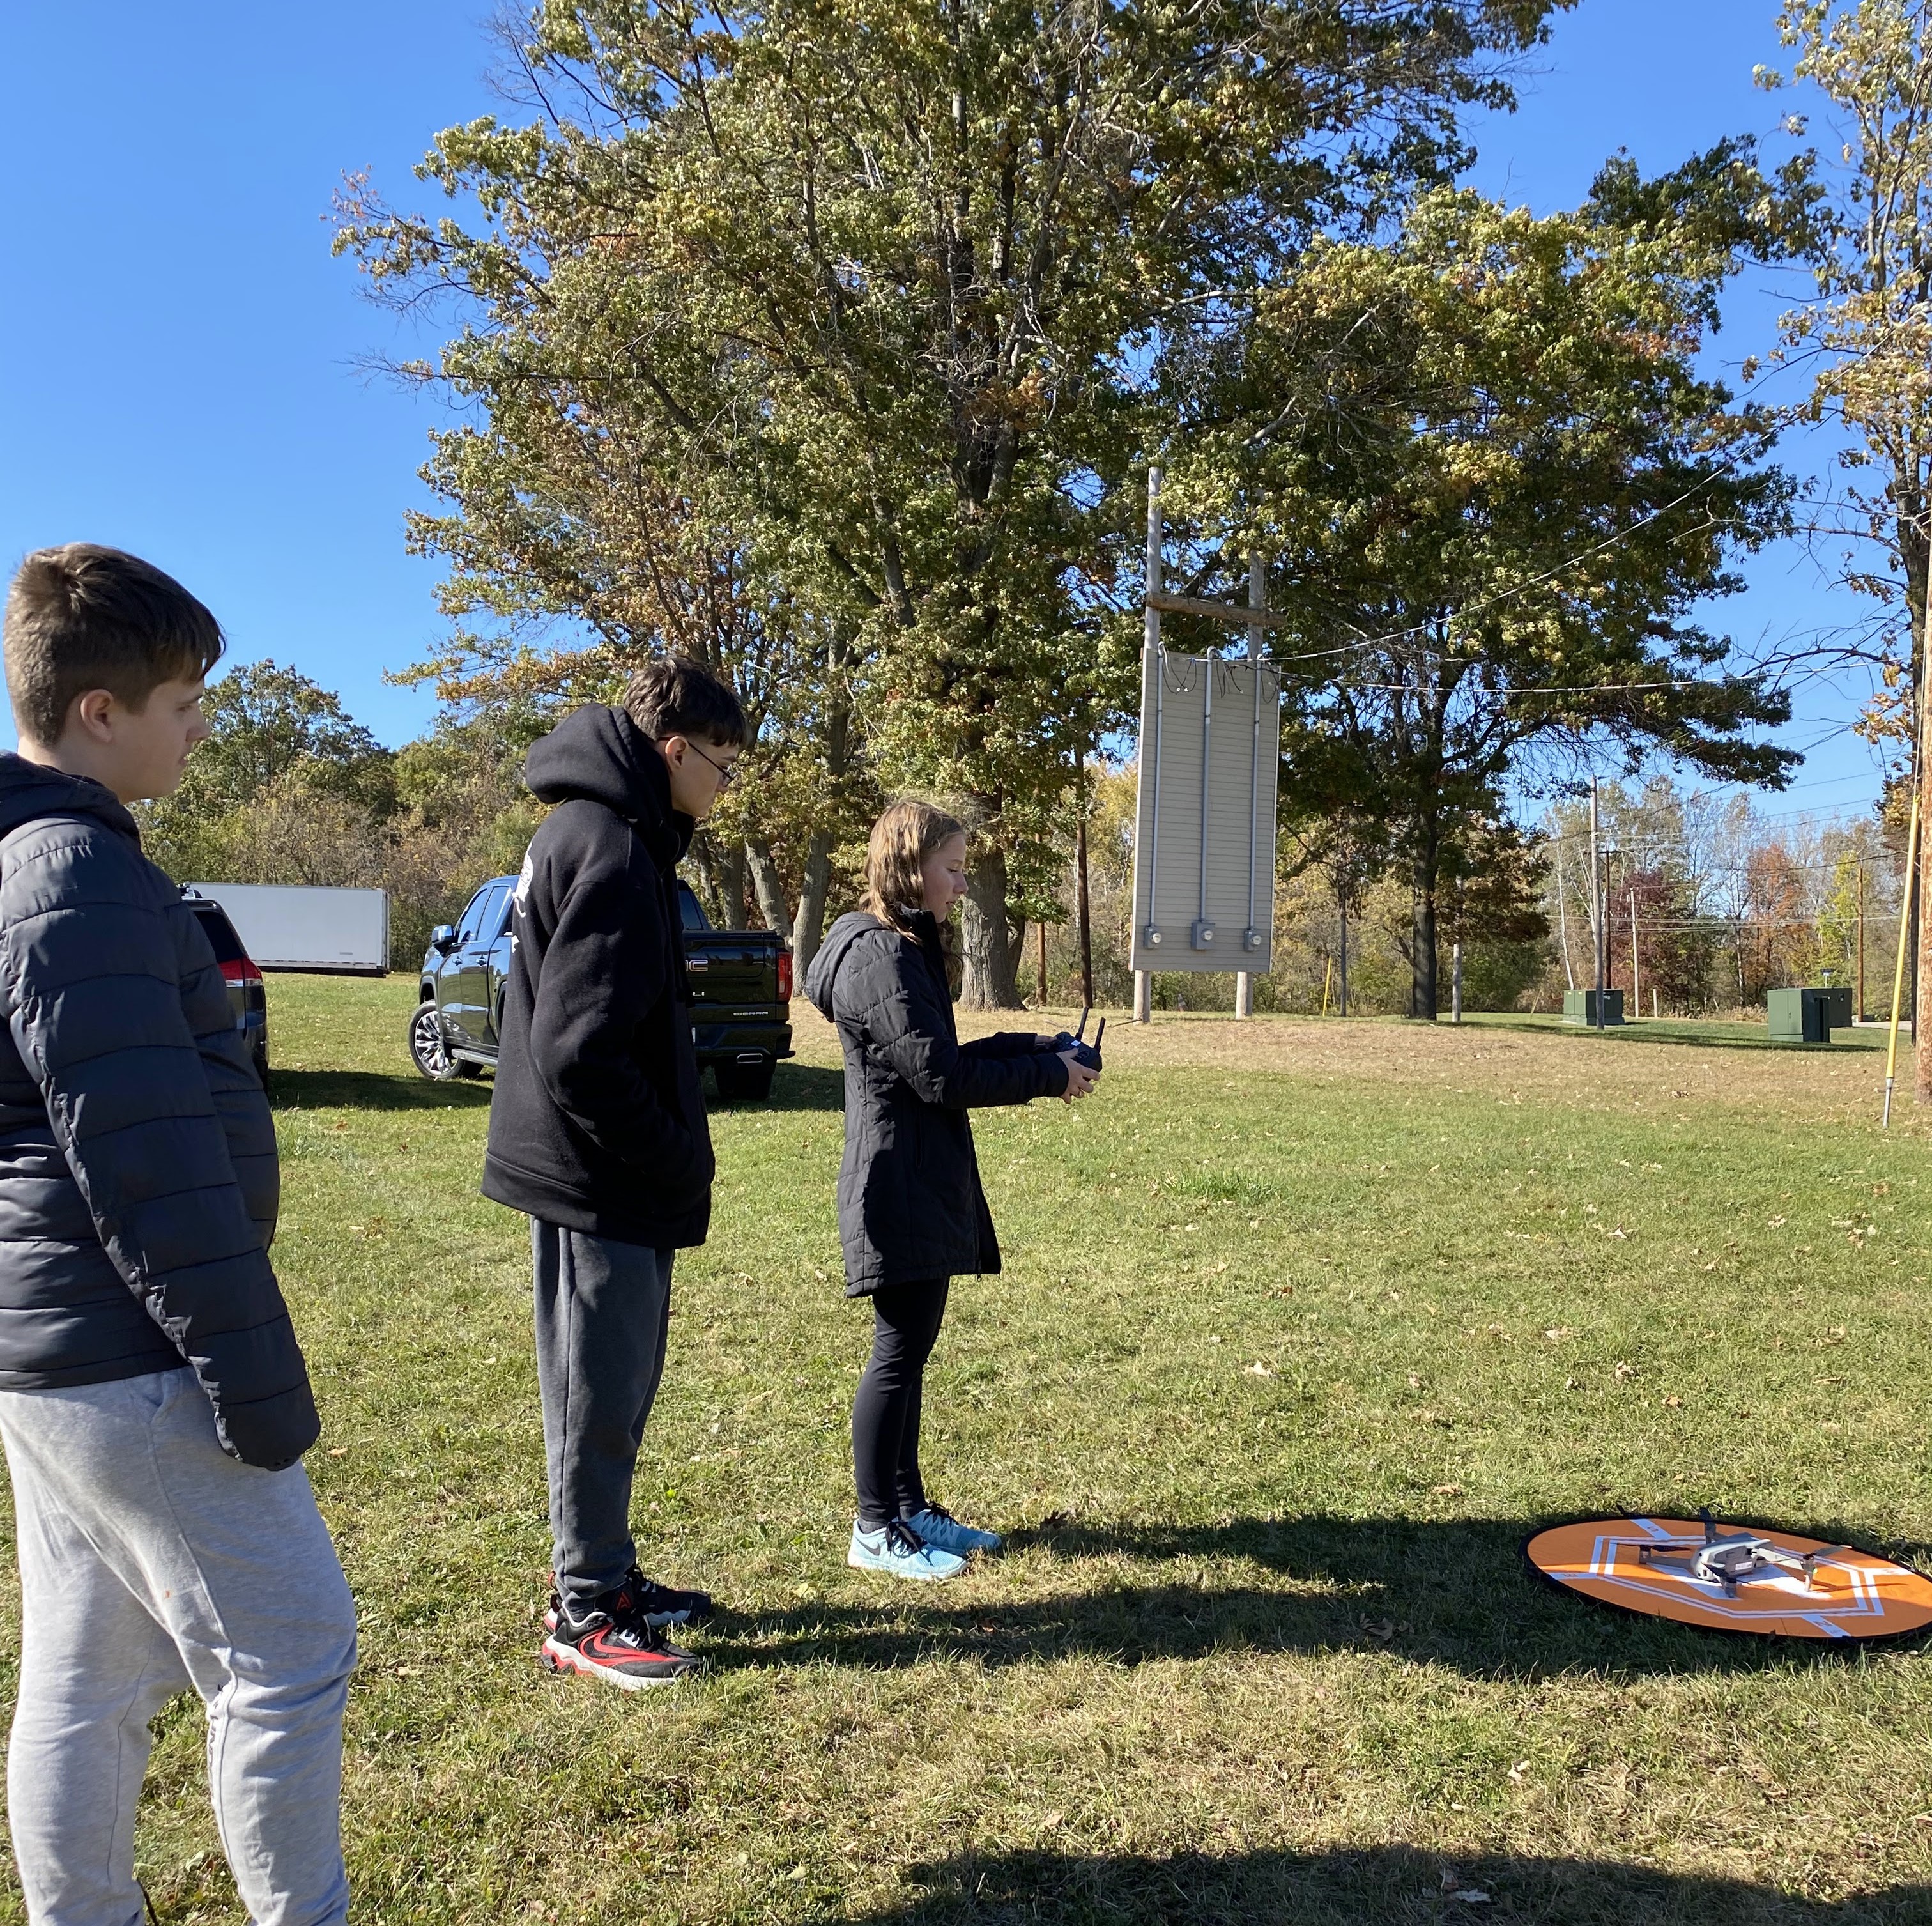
(620, 1648)
(659, 1605)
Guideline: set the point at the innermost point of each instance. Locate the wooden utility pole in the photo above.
(1862, 943)
(1083, 907)
(1342, 892)
(1598, 906)
(1150, 638)
(1244, 979)
(1456, 961)
(1636, 987)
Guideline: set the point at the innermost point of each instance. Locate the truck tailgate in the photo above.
(732, 970)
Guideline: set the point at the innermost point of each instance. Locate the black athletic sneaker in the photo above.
(616, 1646)
(660, 1605)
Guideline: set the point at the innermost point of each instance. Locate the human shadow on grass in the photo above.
(1389, 1885)
(796, 1086)
(371, 1090)
(1455, 1593)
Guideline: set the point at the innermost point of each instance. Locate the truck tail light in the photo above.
(241, 970)
(784, 976)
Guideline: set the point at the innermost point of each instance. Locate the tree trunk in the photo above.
(768, 886)
(1422, 938)
(987, 951)
(701, 859)
(1921, 977)
(728, 865)
(809, 930)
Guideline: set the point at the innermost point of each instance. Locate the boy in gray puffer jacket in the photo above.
(153, 1403)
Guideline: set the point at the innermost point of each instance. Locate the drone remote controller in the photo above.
(1087, 1055)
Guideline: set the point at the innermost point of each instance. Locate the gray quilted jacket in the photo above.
(138, 1175)
(910, 1206)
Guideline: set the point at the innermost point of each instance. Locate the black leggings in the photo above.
(885, 1414)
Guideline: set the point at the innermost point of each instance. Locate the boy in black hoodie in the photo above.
(597, 1131)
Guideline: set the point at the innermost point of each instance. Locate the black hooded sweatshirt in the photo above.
(597, 1121)
(138, 1175)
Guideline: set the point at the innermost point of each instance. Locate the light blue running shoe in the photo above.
(893, 1548)
(937, 1526)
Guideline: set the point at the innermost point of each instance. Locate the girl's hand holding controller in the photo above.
(1081, 1078)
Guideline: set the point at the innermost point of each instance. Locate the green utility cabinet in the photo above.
(1579, 1006)
(1806, 1016)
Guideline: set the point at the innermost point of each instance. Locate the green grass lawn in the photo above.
(1303, 1327)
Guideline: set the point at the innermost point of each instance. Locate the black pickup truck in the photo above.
(740, 995)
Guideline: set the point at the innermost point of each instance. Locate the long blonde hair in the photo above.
(908, 833)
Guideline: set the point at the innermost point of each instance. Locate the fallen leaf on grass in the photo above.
(1446, 1491)
(1627, 1371)
(1257, 1370)
(338, 1451)
(1380, 1630)
(1673, 1404)
(1775, 1223)
(1517, 1770)
(1453, 1886)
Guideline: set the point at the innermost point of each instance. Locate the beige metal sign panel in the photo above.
(1204, 834)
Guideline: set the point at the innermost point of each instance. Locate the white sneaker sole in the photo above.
(859, 1563)
(554, 1656)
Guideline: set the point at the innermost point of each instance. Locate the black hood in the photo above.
(852, 929)
(598, 753)
(30, 790)
(831, 954)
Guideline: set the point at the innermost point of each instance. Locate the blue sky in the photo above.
(179, 351)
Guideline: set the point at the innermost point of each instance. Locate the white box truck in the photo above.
(336, 932)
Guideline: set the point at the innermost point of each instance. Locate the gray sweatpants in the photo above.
(152, 1561)
(603, 1312)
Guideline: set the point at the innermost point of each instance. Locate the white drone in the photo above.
(1728, 1559)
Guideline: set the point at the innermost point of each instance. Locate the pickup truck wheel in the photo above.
(427, 1050)
(746, 1082)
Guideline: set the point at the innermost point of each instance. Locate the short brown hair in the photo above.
(81, 617)
(901, 840)
(676, 695)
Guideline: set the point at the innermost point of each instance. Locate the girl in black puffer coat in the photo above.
(912, 1215)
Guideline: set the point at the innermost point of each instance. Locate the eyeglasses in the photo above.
(726, 771)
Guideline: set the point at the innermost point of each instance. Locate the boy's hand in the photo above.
(1080, 1079)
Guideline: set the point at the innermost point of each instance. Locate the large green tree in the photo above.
(1865, 337)
(872, 294)
(274, 731)
(1492, 486)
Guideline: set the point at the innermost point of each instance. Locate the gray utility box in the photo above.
(1808, 1015)
(1579, 1006)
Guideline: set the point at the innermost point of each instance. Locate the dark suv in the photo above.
(740, 995)
(247, 994)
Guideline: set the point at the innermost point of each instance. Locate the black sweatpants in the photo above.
(906, 1319)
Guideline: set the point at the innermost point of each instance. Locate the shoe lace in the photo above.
(900, 1537)
(929, 1510)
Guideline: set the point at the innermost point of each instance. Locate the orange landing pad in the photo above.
(1853, 1595)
